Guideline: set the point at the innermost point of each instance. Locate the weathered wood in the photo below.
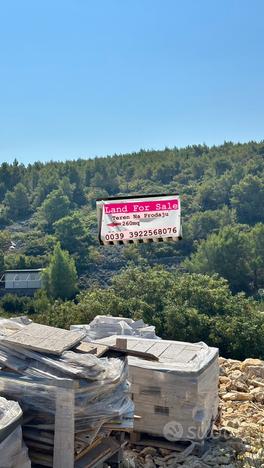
(41, 436)
(134, 437)
(42, 447)
(121, 347)
(98, 454)
(121, 343)
(143, 439)
(132, 352)
(39, 458)
(88, 448)
(63, 456)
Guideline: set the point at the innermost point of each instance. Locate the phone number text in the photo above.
(143, 233)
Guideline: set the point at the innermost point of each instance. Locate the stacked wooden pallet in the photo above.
(176, 397)
(73, 402)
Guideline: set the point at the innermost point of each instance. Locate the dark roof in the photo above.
(25, 270)
(146, 195)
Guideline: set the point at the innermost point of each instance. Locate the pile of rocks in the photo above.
(241, 394)
(237, 439)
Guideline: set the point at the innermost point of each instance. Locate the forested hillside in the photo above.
(222, 192)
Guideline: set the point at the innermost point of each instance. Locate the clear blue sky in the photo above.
(80, 78)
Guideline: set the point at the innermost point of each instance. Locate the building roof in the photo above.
(25, 270)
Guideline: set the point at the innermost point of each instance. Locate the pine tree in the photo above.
(17, 202)
(55, 206)
(60, 278)
(2, 263)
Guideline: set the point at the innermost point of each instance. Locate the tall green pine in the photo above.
(60, 278)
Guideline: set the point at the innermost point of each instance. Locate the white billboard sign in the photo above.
(144, 218)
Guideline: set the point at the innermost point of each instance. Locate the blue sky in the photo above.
(82, 78)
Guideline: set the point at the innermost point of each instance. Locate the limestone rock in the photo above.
(223, 379)
(164, 452)
(257, 383)
(236, 374)
(258, 394)
(148, 451)
(255, 371)
(251, 362)
(149, 463)
(237, 396)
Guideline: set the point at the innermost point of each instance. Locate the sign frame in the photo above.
(139, 240)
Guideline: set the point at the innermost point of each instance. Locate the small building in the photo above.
(23, 282)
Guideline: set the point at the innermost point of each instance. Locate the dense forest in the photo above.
(206, 287)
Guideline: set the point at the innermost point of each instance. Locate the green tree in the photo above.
(17, 202)
(239, 336)
(2, 263)
(5, 240)
(208, 294)
(256, 255)
(213, 193)
(144, 290)
(59, 314)
(66, 187)
(225, 253)
(70, 232)
(76, 180)
(201, 224)
(163, 173)
(2, 191)
(183, 323)
(221, 165)
(60, 278)
(248, 199)
(55, 206)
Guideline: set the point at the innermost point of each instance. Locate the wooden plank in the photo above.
(132, 352)
(39, 446)
(142, 439)
(39, 458)
(63, 456)
(44, 339)
(98, 454)
(134, 437)
(121, 343)
(88, 448)
(41, 436)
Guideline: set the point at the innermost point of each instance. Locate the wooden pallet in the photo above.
(148, 440)
(98, 454)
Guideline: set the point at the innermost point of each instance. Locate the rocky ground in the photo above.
(238, 437)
